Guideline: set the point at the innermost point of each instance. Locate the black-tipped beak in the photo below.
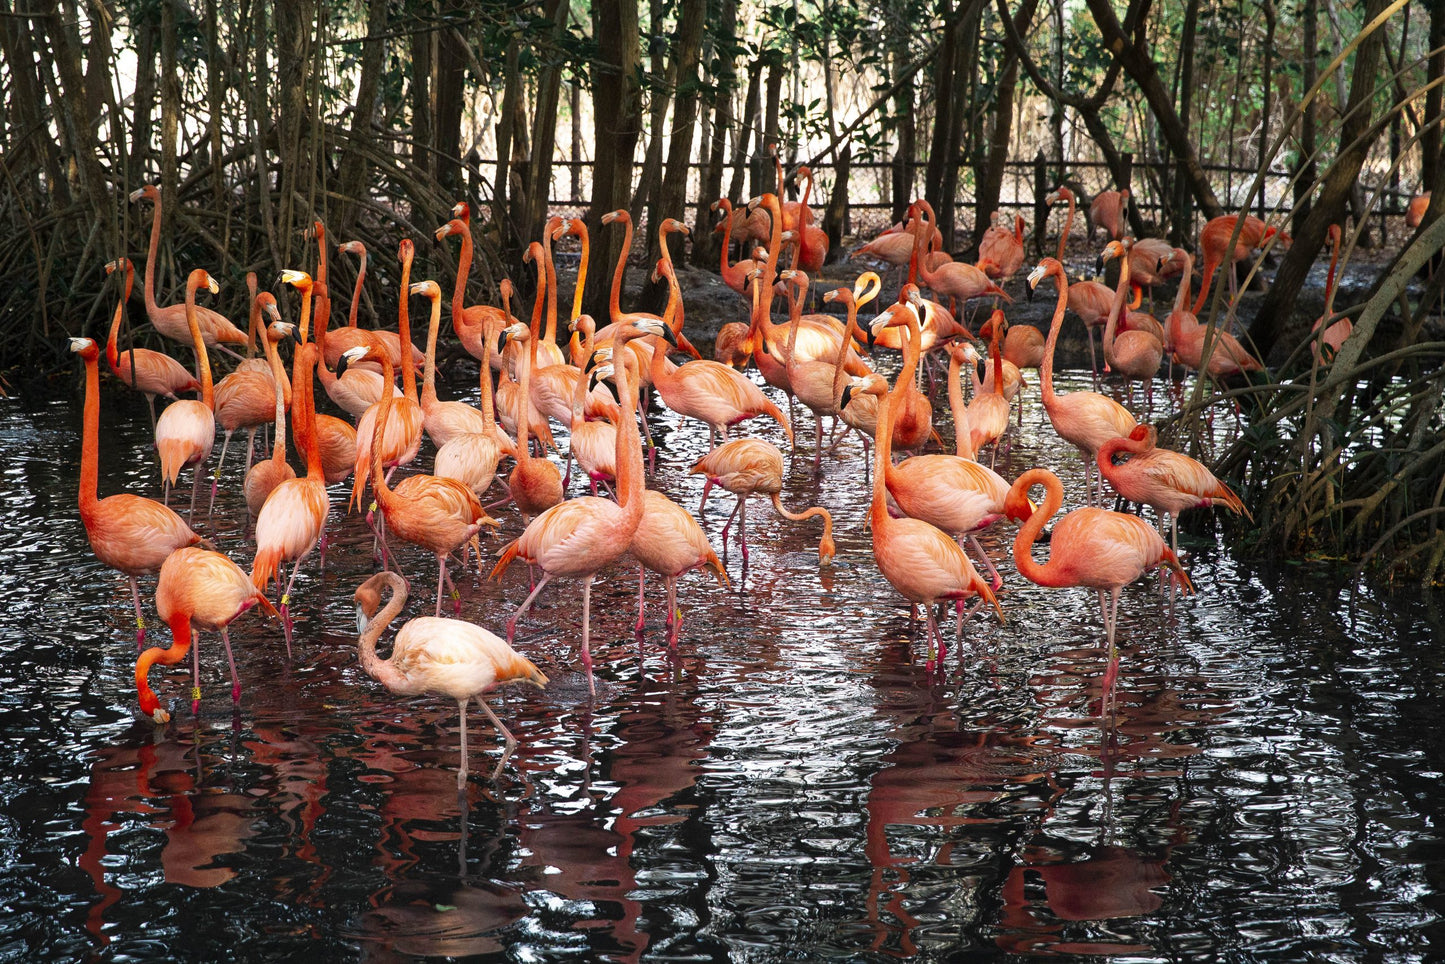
(669, 336)
(296, 337)
(501, 341)
(1160, 266)
(341, 364)
(1031, 292)
(847, 396)
(1099, 265)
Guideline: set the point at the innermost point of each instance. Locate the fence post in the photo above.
(1041, 207)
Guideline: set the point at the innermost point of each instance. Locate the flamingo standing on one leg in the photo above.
(126, 532)
(445, 657)
(201, 590)
(1091, 547)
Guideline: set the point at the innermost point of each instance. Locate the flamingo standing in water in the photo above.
(1092, 547)
(244, 400)
(535, 483)
(198, 590)
(440, 515)
(1086, 420)
(293, 517)
(149, 372)
(669, 541)
(186, 430)
(1185, 338)
(263, 477)
(748, 466)
(919, 560)
(443, 657)
(1328, 345)
(1214, 239)
(1168, 482)
(582, 536)
(126, 532)
(172, 320)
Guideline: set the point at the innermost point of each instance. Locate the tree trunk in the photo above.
(145, 31)
(705, 243)
(544, 130)
(1358, 132)
(507, 236)
(1430, 144)
(1304, 184)
(422, 107)
(1140, 66)
(991, 177)
(170, 123)
(450, 77)
(356, 172)
(617, 114)
(763, 168)
(649, 183)
(1181, 230)
(943, 107)
(745, 129)
(899, 27)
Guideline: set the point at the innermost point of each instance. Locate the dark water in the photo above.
(790, 785)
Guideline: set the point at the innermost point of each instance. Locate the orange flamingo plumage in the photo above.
(186, 430)
(149, 372)
(1328, 344)
(750, 466)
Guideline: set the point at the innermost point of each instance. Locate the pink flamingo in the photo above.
(149, 372)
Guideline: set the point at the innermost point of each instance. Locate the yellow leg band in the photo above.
(195, 694)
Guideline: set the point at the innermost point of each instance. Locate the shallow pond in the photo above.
(790, 784)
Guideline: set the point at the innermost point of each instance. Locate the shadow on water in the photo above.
(789, 783)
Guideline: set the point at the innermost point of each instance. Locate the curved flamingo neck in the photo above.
(580, 229)
(962, 444)
(1043, 574)
(382, 670)
(614, 304)
(356, 292)
(882, 462)
(378, 476)
(203, 362)
(628, 453)
(180, 624)
(90, 437)
(112, 350)
(1068, 221)
(1181, 300)
(151, 253)
(1116, 308)
(278, 377)
(429, 377)
(403, 325)
(1046, 370)
(840, 360)
(464, 267)
(1107, 451)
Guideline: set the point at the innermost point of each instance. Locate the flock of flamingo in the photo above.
(927, 509)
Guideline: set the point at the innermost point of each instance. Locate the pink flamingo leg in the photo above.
(641, 585)
(196, 676)
(463, 768)
(586, 633)
(231, 659)
(503, 732)
(526, 604)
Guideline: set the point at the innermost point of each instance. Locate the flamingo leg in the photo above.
(674, 618)
(231, 659)
(641, 585)
(195, 485)
(463, 768)
(931, 631)
(995, 579)
(285, 606)
(1093, 357)
(818, 450)
(151, 401)
(503, 732)
(216, 475)
(250, 453)
(586, 633)
(743, 528)
(728, 524)
(140, 620)
(526, 604)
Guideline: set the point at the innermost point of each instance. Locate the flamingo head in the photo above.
(85, 347)
(462, 210)
(299, 280)
(519, 333)
(430, 289)
(149, 191)
(618, 215)
(350, 357)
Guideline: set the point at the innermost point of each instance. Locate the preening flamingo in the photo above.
(126, 532)
(1168, 482)
(749, 466)
(1091, 547)
(1001, 251)
(1086, 420)
(149, 372)
(171, 321)
(919, 560)
(186, 430)
(580, 537)
(199, 590)
(444, 657)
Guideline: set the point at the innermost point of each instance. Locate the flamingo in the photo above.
(580, 537)
(1168, 482)
(748, 466)
(952, 492)
(1415, 210)
(593, 443)
(445, 657)
(958, 280)
(1023, 347)
(126, 532)
(1091, 300)
(293, 517)
(440, 515)
(186, 430)
(149, 372)
(1058, 194)
(360, 387)
(263, 477)
(245, 400)
(442, 421)
(1002, 249)
(1214, 238)
(1086, 420)
(1185, 338)
(987, 415)
(535, 483)
(1134, 355)
(338, 342)
(913, 412)
(198, 590)
(1328, 344)
(735, 276)
(1151, 260)
(669, 541)
(401, 438)
(1092, 547)
(508, 394)
(812, 249)
(1107, 211)
(472, 325)
(172, 321)
(917, 559)
(472, 458)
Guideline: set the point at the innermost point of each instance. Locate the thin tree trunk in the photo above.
(1430, 144)
(943, 107)
(991, 177)
(744, 131)
(1304, 184)
(356, 172)
(899, 27)
(422, 107)
(649, 183)
(544, 131)
(704, 242)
